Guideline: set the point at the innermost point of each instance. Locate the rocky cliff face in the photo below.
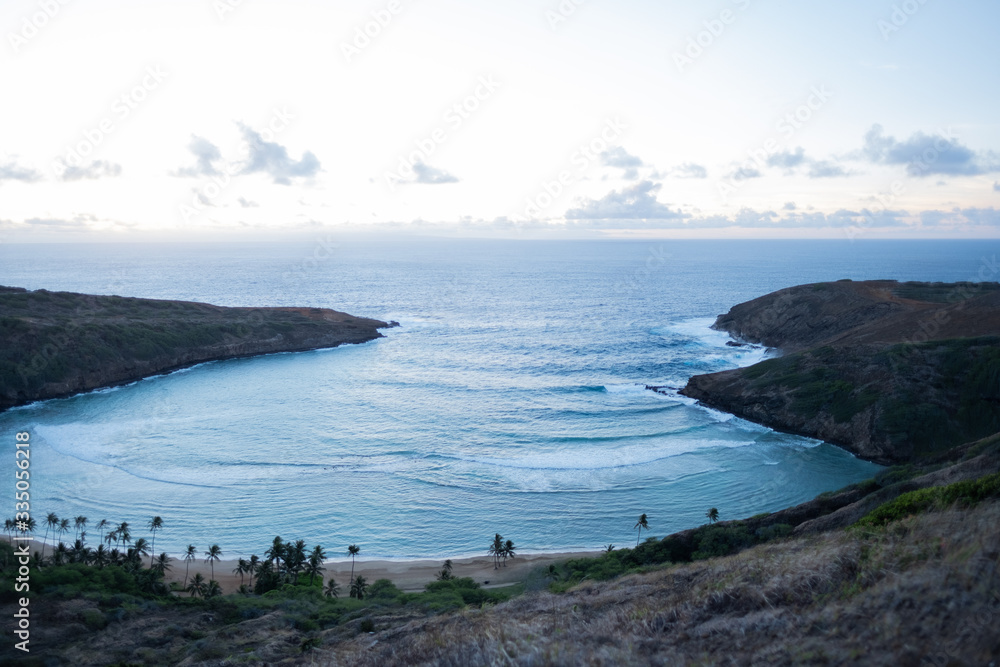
(890, 371)
(59, 343)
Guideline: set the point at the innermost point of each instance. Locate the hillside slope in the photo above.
(61, 343)
(890, 371)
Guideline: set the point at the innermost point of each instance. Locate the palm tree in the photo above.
(28, 526)
(353, 551)
(240, 569)
(212, 555)
(495, 550)
(100, 556)
(213, 589)
(123, 533)
(141, 548)
(79, 553)
(358, 587)
(713, 515)
(332, 590)
(189, 555)
(8, 527)
(79, 523)
(63, 526)
(276, 551)
(609, 548)
(253, 566)
(60, 554)
(101, 525)
(51, 521)
(296, 558)
(154, 525)
(197, 585)
(162, 564)
(640, 524)
(508, 551)
(445, 573)
(315, 565)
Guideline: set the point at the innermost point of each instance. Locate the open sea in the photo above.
(510, 400)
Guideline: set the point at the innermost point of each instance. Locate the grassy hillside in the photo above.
(59, 343)
(890, 371)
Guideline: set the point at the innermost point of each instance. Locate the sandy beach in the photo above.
(408, 575)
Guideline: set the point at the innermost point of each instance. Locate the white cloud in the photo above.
(429, 175)
(272, 159)
(689, 170)
(926, 154)
(96, 169)
(207, 155)
(635, 202)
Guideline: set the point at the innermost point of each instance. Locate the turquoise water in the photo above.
(510, 400)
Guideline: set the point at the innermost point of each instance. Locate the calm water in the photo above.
(511, 400)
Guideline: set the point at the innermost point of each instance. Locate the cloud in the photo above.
(745, 174)
(620, 158)
(206, 153)
(637, 202)
(926, 154)
(96, 169)
(996, 187)
(789, 206)
(787, 159)
(11, 171)
(826, 169)
(272, 159)
(429, 175)
(246, 203)
(690, 170)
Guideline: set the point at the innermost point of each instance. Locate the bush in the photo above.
(383, 590)
(966, 494)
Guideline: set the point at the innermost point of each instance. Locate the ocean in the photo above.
(510, 400)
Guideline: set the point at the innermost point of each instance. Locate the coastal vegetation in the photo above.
(745, 579)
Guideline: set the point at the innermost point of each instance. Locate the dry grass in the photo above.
(921, 591)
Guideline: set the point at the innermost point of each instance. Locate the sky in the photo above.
(254, 119)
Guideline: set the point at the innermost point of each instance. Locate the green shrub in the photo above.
(965, 494)
(94, 619)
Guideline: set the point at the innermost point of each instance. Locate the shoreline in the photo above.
(409, 575)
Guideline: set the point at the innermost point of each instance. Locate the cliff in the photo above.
(61, 343)
(890, 371)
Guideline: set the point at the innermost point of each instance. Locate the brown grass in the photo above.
(922, 591)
